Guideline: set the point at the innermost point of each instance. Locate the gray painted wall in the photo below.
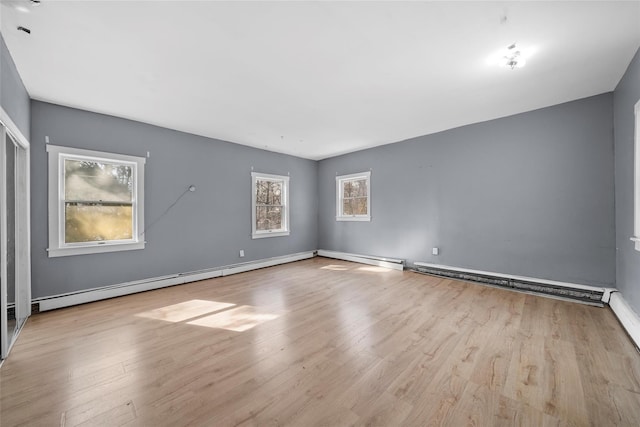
(205, 229)
(530, 194)
(626, 95)
(13, 95)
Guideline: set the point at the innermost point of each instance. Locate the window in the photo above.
(636, 228)
(270, 205)
(96, 201)
(353, 197)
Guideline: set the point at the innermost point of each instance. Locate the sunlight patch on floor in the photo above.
(237, 319)
(185, 310)
(212, 314)
(334, 267)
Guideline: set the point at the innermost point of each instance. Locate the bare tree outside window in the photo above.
(269, 206)
(353, 197)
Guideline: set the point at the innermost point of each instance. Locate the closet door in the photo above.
(14, 275)
(7, 327)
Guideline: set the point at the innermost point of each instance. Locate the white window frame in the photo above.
(340, 216)
(57, 245)
(284, 231)
(636, 190)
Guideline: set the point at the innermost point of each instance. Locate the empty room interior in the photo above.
(319, 213)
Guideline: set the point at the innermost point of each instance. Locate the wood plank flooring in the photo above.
(323, 343)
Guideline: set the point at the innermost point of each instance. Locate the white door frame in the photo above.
(23, 231)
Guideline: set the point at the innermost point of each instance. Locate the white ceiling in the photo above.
(317, 79)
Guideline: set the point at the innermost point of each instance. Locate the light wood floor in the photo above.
(323, 342)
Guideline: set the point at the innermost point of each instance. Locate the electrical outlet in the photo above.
(435, 251)
(241, 253)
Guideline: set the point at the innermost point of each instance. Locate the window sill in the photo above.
(94, 249)
(636, 240)
(353, 218)
(269, 234)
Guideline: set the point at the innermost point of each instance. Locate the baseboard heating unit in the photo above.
(121, 289)
(586, 294)
(395, 264)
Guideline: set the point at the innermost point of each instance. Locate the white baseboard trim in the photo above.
(395, 264)
(606, 292)
(270, 262)
(97, 294)
(121, 289)
(625, 314)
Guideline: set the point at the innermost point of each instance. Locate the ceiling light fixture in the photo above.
(513, 58)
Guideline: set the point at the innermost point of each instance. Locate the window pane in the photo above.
(91, 222)
(354, 206)
(355, 188)
(268, 217)
(91, 180)
(268, 192)
(346, 189)
(361, 188)
(346, 207)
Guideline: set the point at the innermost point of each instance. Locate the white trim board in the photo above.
(23, 228)
(636, 177)
(627, 317)
(122, 289)
(395, 264)
(14, 130)
(269, 262)
(606, 292)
